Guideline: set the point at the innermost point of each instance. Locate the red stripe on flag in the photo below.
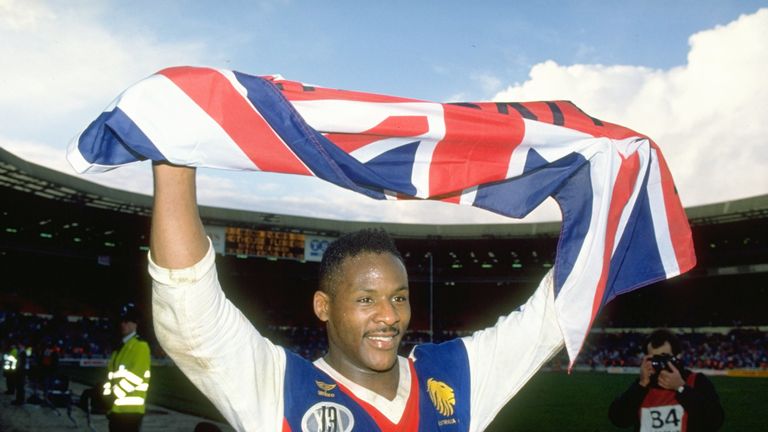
(541, 110)
(237, 117)
(296, 91)
(677, 220)
(476, 149)
(622, 191)
(391, 127)
(351, 141)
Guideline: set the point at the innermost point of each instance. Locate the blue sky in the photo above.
(687, 73)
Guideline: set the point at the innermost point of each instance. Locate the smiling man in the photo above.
(363, 299)
(361, 383)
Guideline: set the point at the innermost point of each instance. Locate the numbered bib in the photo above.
(668, 418)
(328, 417)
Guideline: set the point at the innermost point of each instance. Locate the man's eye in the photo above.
(400, 299)
(365, 300)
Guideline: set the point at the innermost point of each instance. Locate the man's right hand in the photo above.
(646, 371)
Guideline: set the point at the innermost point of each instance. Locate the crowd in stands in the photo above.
(88, 338)
(734, 348)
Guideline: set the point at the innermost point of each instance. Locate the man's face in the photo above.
(127, 327)
(368, 313)
(665, 348)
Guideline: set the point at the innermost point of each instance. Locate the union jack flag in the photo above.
(623, 224)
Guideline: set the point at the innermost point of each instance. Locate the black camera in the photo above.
(660, 362)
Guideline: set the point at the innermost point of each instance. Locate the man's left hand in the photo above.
(670, 379)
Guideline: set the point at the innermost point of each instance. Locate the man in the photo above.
(128, 375)
(10, 362)
(361, 383)
(23, 369)
(667, 397)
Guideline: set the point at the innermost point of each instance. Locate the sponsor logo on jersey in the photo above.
(442, 396)
(327, 417)
(325, 389)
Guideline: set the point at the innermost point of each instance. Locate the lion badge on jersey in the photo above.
(442, 396)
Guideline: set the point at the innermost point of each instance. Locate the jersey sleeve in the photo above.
(504, 357)
(216, 346)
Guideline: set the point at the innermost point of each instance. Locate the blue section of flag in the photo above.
(636, 261)
(397, 164)
(104, 141)
(575, 200)
(321, 156)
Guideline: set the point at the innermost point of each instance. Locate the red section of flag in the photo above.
(392, 127)
(296, 91)
(541, 110)
(677, 220)
(476, 149)
(238, 118)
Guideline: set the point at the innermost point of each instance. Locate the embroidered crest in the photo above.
(442, 396)
(325, 389)
(327, 417)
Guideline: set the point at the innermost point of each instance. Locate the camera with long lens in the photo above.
(661, 361)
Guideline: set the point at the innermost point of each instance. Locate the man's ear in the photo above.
(322, 304)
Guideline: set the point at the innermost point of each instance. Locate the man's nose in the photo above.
(387, 313)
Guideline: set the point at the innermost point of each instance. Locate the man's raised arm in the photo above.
(207, 337)
(177, 238)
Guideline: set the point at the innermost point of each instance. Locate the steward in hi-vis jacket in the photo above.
(128, 376)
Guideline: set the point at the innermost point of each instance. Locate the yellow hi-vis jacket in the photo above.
(10, 359)
(128, 377)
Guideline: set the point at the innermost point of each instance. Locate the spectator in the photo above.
(667, 396)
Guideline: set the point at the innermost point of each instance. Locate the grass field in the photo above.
(551, 401)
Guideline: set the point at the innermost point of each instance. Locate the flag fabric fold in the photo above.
(623, 224)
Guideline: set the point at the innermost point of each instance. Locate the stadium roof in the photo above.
(21, 175)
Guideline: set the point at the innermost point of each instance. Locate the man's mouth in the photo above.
(383, 340)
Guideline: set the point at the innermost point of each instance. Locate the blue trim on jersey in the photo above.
(306, 386)
(447, 363)
(303, 391)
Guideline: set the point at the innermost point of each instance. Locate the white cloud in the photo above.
(488, 82)
(63, 59)
(708, 116)
(18, 14)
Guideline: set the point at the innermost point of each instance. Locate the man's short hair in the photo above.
(659, 337)
(374, 240)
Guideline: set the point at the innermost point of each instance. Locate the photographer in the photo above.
(667, 397)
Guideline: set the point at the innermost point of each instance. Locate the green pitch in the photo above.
(551, 401)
